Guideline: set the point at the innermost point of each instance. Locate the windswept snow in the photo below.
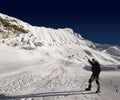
(51, 64)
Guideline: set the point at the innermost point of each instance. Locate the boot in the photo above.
(88, 89)
(98, 88)
(98, 91)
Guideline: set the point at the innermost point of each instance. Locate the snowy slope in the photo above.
(61, 40)
(51, 64)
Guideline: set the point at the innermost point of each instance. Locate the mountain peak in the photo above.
(4, 16)
(10, 26)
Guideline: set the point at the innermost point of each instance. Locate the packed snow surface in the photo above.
(51, 64)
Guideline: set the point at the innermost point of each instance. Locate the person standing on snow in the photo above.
(95, 75)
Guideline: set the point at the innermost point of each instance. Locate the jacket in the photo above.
(95, 67)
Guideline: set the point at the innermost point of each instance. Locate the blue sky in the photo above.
(98, 21)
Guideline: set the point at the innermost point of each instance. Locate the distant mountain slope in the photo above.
(60, 42)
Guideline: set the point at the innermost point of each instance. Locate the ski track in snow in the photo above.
(58, 85)
(46, 87)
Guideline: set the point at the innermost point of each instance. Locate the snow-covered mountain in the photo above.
(34, 57)
(62, 42)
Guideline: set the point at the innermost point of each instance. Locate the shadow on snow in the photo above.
(103, 68)
(47, 94)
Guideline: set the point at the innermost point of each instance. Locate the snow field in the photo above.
(51, 64)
